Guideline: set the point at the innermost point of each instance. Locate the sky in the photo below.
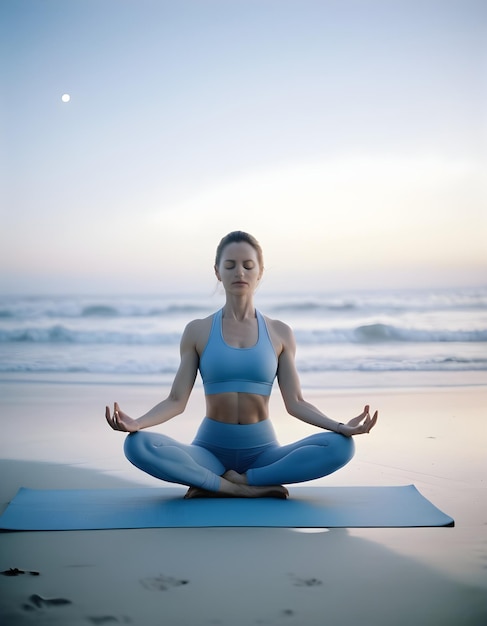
(348, 136)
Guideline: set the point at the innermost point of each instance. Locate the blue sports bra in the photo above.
(224, 368)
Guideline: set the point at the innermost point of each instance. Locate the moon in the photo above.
(65, 97)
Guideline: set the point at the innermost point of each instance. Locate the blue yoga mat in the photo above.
(307, 507)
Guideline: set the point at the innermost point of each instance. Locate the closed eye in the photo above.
(248, 265)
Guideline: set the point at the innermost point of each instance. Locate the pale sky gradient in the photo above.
(349, 136)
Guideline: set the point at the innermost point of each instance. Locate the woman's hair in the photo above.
(238, 236)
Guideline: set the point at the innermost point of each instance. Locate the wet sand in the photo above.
(54, 436)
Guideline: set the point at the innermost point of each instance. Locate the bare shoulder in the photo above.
(197, 332)
(280, 328)
(281, 334)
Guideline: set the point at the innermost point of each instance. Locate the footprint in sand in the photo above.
(109, 619)
(162, 583)
(38, 602)
(288, 612)
(305, 582)
(14, 571)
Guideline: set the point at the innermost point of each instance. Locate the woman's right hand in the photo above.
(120, 420)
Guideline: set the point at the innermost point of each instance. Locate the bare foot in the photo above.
(235, 490)
(235, 477)
(197, 492)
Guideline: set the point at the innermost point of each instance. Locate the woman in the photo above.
(239, 353)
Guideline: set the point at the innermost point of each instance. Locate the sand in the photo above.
(54, 436)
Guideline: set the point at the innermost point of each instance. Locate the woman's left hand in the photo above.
(361, 424)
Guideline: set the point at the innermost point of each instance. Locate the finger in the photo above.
(107, 415)
(110, 419)
(373, 421)
(364, 413)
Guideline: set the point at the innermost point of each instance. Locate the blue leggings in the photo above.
(251, 449)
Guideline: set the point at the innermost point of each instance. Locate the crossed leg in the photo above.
(165, 458)
(315, 456)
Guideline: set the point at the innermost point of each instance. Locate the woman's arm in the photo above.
(178, 397)
(297, 406)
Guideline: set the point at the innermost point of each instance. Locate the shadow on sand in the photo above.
(237, 576)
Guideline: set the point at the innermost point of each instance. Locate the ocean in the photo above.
(382, 338)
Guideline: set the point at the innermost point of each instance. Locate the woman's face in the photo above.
(239, 269)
